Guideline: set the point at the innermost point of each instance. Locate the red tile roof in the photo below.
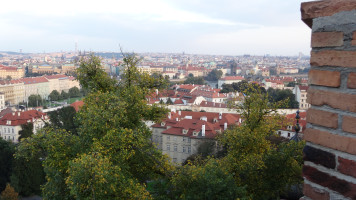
(21, 117)
(34, 80)
(77, 105)
(56, 76)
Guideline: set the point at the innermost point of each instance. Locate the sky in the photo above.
(216, 27)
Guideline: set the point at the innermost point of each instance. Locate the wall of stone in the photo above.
(330, 154)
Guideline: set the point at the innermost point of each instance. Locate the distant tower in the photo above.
(20, 50)
(76, 48)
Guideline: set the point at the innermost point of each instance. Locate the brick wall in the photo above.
(330, 154)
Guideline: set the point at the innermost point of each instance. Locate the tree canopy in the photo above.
(214, 75)
(35, 100)
(266, 168)
(111, 156)
(195, 80)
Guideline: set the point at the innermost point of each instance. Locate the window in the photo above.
(189, 140)
(175, 138)
(168, 147)
(174, 159)
(188, 149)
(8, 130)
(183, 149)
(183, 139)
(175, 148)
(168, 137)
(288, 134)
(12, 130)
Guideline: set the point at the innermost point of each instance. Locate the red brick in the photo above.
(327, 39)
(333, 58)
(324, 78)
(319, 156)
(322, 118)
(351, 81)
(332, 182)
(336, 100)
(353, 42)
(311, 10)
(349, 124)
(315, 193)
(326, 139)
(347, 167)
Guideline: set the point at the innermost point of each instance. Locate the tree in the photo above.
(64, 118)
(266, 168)
(276, 95)
(208, 180)
(64, 95)
(169, 101)
(8, 78)
(111, 156)
(291, 84)
(54, 95)
(7, 150)
(74, 92)
(9, 193)
(195, 80)
(214, 75)
(27, 176)
(35, 100)
(26, 130)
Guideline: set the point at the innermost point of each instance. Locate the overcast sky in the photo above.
(223, 27)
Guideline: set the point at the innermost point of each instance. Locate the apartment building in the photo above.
(10, 124)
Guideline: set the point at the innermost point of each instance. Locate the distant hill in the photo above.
(12, 53)
(109, 55)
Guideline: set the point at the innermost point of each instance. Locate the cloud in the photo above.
(288, 40)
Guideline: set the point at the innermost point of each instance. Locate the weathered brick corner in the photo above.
(330, 154)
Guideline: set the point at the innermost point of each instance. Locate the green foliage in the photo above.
(9, 193)
(214, 75)
(92, 75)
(74, 92)
(160, 82)
(242, 87)
(34, 100)
(7, 150)
(169, 101)
(64, 118)
(204, 181)
(54, 95)
(28, 176)
(26, 130)
(276, 95)
(64, 95)
(111, 155)
(267, 169)
(57, 148)
(291, 84)
(195, 80)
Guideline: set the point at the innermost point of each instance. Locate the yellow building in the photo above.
(13, 90)
(13, 72)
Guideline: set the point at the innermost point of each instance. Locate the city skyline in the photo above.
(195, 27)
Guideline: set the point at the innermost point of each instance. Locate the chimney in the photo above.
(19, 113)
(179, 113)
(13, 114)
(156, 91)
(240, 120)
(225, 126)
(220, 115)
(177, 119)
(169, 115)
(203, 130)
